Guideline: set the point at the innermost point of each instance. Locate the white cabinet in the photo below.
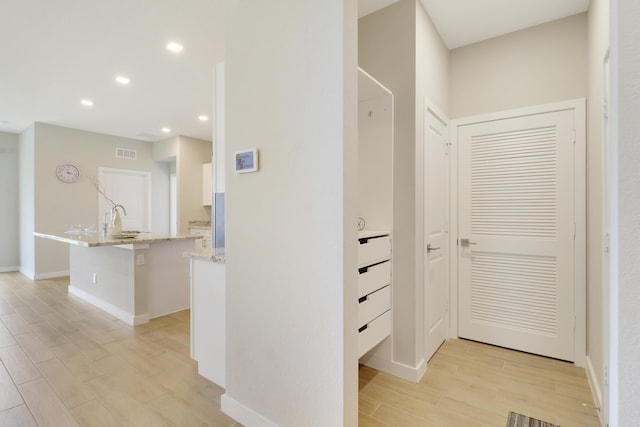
(206, 185)
(208, 318)
(374, 289)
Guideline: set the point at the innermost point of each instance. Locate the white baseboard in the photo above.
(51, 275)
(127, 318)
(29, 274)
(596, 390)
(9, 269)
(242, 414)
(407, 372)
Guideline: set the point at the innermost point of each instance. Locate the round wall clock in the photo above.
(67, 173)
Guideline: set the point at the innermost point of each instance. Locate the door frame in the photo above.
(580, 218)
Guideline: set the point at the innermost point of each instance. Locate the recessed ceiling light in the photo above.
(203, 118)
(86, 102)
(175, 47)
(122, 80)
(166, 130)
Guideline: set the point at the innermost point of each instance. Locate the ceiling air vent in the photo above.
(123, 153)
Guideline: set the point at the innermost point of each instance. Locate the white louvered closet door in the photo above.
(516, 208)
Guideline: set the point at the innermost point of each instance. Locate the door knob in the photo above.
(429, 248)
(466, 242)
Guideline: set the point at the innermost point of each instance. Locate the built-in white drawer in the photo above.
(373, 277)
(373, 250)
(372, 333)
(373, 305)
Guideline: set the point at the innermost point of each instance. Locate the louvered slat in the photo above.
(513, 184)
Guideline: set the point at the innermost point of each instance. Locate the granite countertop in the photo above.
(200, 224)
(98, 239)
(218, 255)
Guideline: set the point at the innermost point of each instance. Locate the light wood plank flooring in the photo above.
(66, 363)
(471, 384)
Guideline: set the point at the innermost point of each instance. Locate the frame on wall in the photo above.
(246, 161)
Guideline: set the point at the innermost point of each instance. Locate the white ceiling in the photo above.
(462, 22)
(58, 52)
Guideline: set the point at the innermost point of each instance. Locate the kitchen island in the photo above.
(134, 277)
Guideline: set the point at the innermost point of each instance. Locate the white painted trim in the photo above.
(406, 372)
(595, 388)
(50, 275)
(128, 318)
(579, 108)
(243, 414)
(29, 274)
(9, 269)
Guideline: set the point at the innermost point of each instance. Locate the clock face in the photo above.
(68, 173)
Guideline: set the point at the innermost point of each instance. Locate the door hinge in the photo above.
(574, 229)
(574, 136)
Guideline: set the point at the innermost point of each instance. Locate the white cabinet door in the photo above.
(208, 319)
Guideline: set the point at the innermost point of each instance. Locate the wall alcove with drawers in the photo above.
(375, 216)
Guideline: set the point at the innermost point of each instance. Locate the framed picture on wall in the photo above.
(246, 161)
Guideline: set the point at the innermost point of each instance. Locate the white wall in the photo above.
(399, 46)
(625, 292)
(291, 227)
(27, 202)
(539, 65)
(56, 204)
(597, 294)
(9, 208)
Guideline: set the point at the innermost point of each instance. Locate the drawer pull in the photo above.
(362, 328)
(363, 270)
(362, 299)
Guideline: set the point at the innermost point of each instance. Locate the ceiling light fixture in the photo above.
(86, 102)
(122, 80)
(166, 130)
(203, 118)
(175, 47)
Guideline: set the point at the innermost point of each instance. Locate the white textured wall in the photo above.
(626, 289)
(538, 65)
(26, 197)
(56, 204)
(386, 50)
(399, 46)
(598, 43)
(291, 226)
(9, 208)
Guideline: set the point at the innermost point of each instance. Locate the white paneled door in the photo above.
(436, 214)
(516, 233)
(131, 189)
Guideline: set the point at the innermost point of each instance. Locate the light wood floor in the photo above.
(471, 384)
(66, 363)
